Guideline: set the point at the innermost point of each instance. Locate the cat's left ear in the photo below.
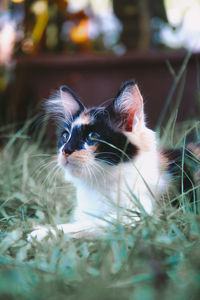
(128, 107)
(71, 103)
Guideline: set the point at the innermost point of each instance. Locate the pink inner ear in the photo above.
(135, 112)
(69, 103)
(130, 118)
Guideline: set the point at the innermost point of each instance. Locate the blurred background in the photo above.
(93, 46)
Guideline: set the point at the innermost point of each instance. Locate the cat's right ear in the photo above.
(71, 103)
(126, 111)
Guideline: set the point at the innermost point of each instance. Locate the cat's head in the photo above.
(91, 138)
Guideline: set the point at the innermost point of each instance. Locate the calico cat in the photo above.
(111, 157)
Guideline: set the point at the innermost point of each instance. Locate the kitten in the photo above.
(111, 157)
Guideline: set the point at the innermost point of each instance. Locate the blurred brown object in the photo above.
(97, 78)
(136, 16)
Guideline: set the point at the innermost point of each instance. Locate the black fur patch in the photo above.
(175, 157)
(113, 146)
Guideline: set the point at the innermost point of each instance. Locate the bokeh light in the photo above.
(17, 1)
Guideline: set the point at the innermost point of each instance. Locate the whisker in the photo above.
(113, 153)
(93, 173)
(89, 171)
(105, 102)
(104, 161)
(49, 174)
(40, 155)
(37, 172)
(101, 171)
(55, 174)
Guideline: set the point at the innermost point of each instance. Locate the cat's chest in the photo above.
(91, 203)
(119, 186)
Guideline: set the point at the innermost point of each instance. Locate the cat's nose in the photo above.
(67, 150)
(66, 154)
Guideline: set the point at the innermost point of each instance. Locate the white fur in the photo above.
(62, 106)
(55, 109)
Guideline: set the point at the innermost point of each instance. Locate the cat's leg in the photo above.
(70, 228)
(82, 229)
(39, 233)
(76, 229)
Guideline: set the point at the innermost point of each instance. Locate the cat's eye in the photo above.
(66, 135)
(93, 136)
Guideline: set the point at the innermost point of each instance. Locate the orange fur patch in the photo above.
(82, 156)
(83, 119)
(143, 138)
(163, 161)
(92, 148)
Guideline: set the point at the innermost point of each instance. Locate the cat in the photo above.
(111, 157)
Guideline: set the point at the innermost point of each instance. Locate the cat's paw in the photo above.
(40, 233)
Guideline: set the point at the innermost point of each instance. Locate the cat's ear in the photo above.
(71, 103)
(128, 107)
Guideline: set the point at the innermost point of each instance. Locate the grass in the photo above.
(158, 258)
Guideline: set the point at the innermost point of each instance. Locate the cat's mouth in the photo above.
(62, 160)
(75, 159)
(66, 162)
